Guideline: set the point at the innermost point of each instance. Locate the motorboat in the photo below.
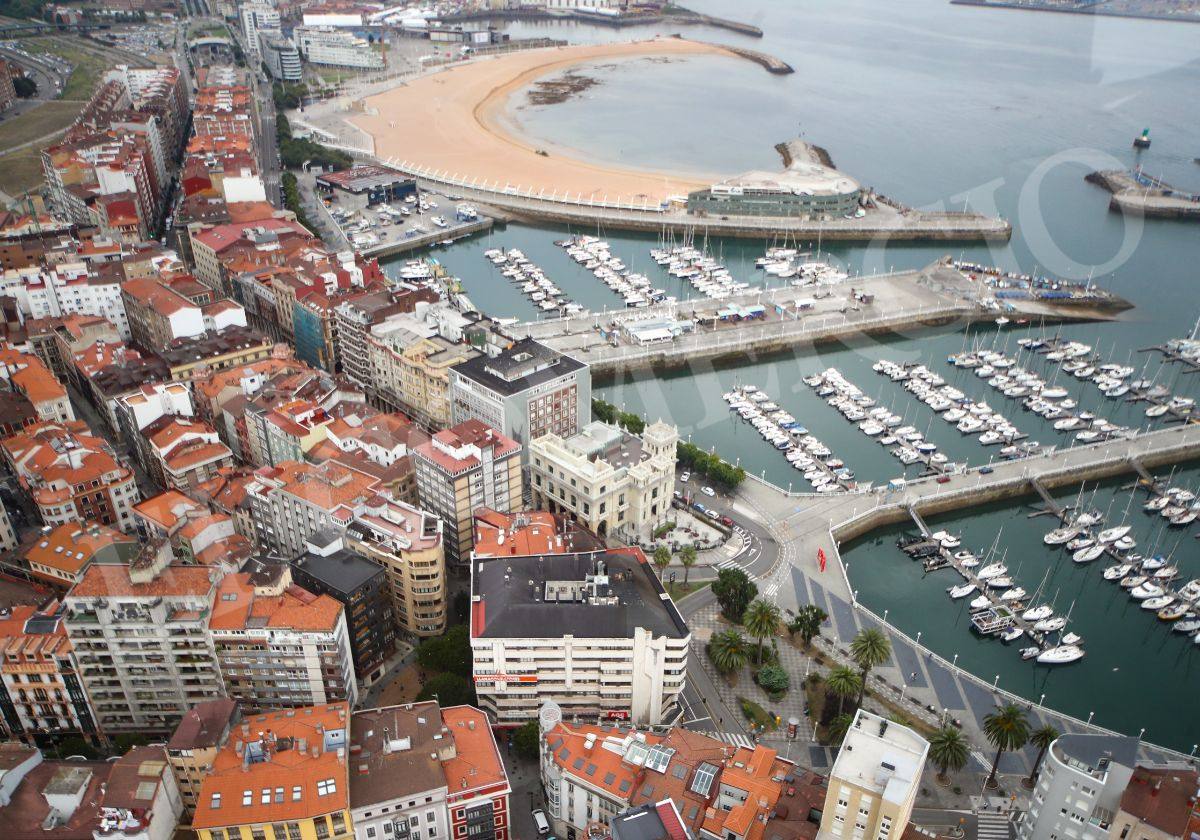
(1050, 625)
(1110, 535)
(963, 556)
(1030, 652)
(991, 571)
(1012, 634)
(1155, 562)
(981, 603)
(1071, 639)
(1126, 543)
(1080, 543)
(1038, 613)
(1117, 572)
(1014, 594)
(1146, 590)
(1087, 555)
(962, 591)
(1188, 625)
(1061, 655)
(1133, 581)
(1158, 602)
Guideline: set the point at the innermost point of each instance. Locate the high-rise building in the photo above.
(336, 48)
(141, 640)
(257, 17)
(875, 780)
(525, 391)
(281, 57)
(593, 632)
(462, 469)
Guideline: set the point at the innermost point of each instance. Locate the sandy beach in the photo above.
(455, 120)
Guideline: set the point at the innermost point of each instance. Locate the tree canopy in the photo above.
(450, 653)
(734, 591)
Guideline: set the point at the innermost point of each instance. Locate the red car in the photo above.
(726, 521)
(943, 479)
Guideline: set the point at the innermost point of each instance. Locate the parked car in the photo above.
(685, 476)
(726, 521)
(943, 479)
(539, 820)
(708, 491)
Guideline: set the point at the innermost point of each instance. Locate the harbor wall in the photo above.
(1094, 11)
(1129, 196)
(671, 14)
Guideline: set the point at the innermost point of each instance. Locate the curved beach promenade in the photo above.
(454, 122)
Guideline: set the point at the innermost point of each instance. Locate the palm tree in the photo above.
(807, 622)
(843, 682)
(688, 558)
(869, 648)
(837, 729)
(729, 651)
(1008, 729)
(662, 559)
(948, 750)
(762, 620)
(1042, 738)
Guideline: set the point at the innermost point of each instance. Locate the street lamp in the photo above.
(885, 612)
(1143, 732)
(1090, 716)
(954, 664)
(996, 683)
(1041, 700)
(918, 638)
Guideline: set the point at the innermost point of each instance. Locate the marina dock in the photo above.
(427, 240)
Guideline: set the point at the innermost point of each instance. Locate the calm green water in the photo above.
(939, 106)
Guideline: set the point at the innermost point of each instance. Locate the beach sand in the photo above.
(455, 121)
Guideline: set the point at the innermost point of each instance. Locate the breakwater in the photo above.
(1142, 195)
(670, 14)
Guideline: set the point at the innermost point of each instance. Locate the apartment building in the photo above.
(427, 772)
(593, 632)
(1079, 787)
(607, 479)
(184, 453)
(359, 315)
(361, 586)
(194, 745)
(595, 774)
(407, 542)
(59, 555)
(281, 57)
(875, 780)
(294, 500)
(525, 392)
(336, 48)
(411, 373)
(281, 776)
(279, 645)
(1159, 803)
(140, 800)
(27, 375)
(68, 288)
(462, 469)
(140, 634)
(71, 475)
(40, 689)
(256, 18)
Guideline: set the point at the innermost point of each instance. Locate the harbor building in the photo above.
(805, 191)
(463, 469)
(874, 781)
(525, 391)
(593, 632)
(336, 48)
(608, 480)
(1079, 787)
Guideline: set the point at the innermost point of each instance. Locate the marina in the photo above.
(532, 281)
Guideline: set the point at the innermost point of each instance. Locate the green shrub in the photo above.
(773, 680)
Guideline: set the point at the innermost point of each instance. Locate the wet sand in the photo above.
(456, 121)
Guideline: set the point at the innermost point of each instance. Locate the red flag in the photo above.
(821, 558)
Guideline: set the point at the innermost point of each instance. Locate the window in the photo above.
(339, 823)
(247, 797)
(265, 799)
(370, 831)
(326, 786)
(278, 795)
(296, 793)
(216, 801)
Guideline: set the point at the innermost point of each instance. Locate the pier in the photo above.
(1140, 194)
(794, 316)
(436, 237)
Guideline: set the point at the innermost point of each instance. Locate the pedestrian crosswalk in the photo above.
(735, 738)
(993, 826)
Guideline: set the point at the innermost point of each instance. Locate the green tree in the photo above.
(837, 729)
(949, 751)
(24, 86)
(662, 559)
(1042, 738)
(762, 620)
(869, 648)
(773, 679)
(450, 653)
(450, 690)
(687, 556)
(734, 591)
(843, 682)
(1007, 728)
(603, 411)
(527, 740)
(728, 651)
(807, 622)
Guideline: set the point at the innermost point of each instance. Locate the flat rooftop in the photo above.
(881, 756)
(588, 595)
(525, 365)
(599, 440)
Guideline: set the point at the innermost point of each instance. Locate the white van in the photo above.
(539, 820)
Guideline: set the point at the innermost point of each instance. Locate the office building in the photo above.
(805, 191)
(875, 780)
(593, 632)
(525, 391)
(462, 469)
(336, 48)
(608, 480)
(256, 18)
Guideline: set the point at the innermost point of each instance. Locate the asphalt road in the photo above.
(48, 79)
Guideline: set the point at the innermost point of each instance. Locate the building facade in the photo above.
(195, 743)
(1079, 787)
(336, 48)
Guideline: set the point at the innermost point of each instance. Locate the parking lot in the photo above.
(418, 214)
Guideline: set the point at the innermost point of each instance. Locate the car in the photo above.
(986, 470)
(726, 521)
(687, 476)
(699, 508)
(539, 820)
(708, 491)
(712, 514)
(943, 479)
(678, 495)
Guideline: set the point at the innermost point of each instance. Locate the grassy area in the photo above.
(20, 171)
(756, 714)
(90, 63)
(47, 118)
(679, 590)
(331, 75)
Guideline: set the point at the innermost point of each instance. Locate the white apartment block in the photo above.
(607, 479)
(875, 780)
(336, 48)
(141, 640)
(593, 632)
(258, 18)
(1079, 788)
(66, 289)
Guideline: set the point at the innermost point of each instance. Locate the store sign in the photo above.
(493, 679)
